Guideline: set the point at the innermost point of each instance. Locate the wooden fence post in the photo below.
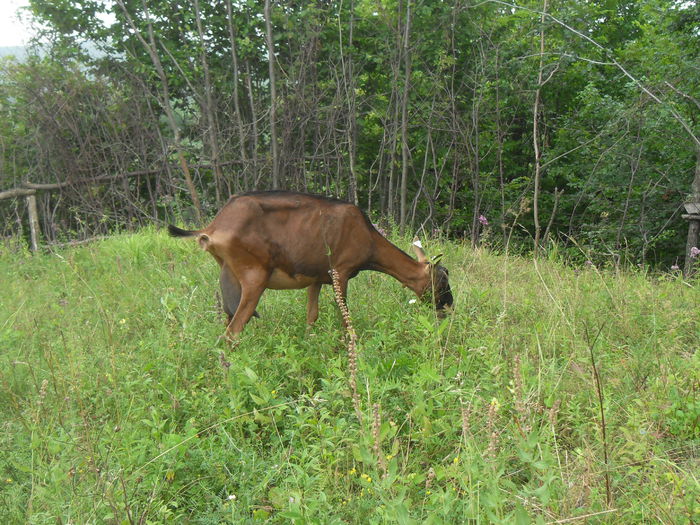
(33, 222)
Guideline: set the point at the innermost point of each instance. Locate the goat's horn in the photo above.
(418, 248)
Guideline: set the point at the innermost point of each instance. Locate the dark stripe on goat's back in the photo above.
(281, 194)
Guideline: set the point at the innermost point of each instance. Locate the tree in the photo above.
(428, 114)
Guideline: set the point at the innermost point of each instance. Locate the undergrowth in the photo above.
(120, 401)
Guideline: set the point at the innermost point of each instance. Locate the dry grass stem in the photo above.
(376, 431)
(601, 406)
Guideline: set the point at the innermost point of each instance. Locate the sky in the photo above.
(12, 31)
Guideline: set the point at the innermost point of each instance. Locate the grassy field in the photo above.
(120, 402)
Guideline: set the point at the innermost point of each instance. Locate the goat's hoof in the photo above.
(233, 342)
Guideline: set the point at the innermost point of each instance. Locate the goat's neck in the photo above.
(392, 261)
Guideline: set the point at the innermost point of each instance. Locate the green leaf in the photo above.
(257, 399)
(260, 515)
(521, 516)
(278, 497)
(250, 374)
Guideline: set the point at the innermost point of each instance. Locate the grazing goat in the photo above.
(285, 240)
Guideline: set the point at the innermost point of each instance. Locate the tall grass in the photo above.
(121, 402)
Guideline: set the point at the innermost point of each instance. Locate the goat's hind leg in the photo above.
(252, 288)
(230, 293)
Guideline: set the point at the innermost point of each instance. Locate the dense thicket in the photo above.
(573, 120)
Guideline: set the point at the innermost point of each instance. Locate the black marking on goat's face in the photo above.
(440, 292)
(441, 288)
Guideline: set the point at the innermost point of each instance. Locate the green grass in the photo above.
(121, 403)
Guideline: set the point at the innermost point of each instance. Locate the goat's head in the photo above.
(438, 288)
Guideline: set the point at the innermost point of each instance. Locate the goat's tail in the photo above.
(174, 231)
(202, 238)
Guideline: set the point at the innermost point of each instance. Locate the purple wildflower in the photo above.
(694, 252)
(483, 220)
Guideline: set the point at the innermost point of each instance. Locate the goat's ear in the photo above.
(435, 260)
(418, 248)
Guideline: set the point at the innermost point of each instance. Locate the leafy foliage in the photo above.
(617, 115)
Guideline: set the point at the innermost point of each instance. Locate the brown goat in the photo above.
(285, 240)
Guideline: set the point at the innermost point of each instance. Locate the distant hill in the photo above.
(16, 51)
(21, 52)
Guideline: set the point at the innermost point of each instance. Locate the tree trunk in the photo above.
(395, 107)
(210, 114)
(693, 225)
(254, 122)
(349, 85)
(390, 201)
(535, 137)
(167, 107)
(634, 166)
(475, 168)
(404, 119)
(236, 102)
(273, 97)
(500, 140)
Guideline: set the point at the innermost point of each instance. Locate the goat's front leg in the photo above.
(312, 305)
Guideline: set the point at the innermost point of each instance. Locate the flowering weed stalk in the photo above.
(491, 429)
(522, 411)
(466, 414)
(351, 343)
